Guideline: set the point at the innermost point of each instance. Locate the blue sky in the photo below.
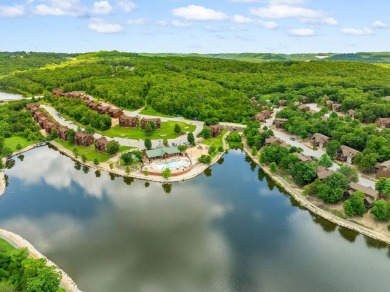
(181, 26)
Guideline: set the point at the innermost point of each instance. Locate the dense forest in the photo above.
(203, 88)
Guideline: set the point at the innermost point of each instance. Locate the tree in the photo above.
(254, 151)
(206, 133)
(325, 161)
(190, 138)
(355, 204)
(127, 170)
(70, 136)
(96, 161)
(127, 158)
(148, 129)
(332, 148)
(304, 172)
(148, 144)
(166, 173)
(273, 168)
(177, 129)
(84, 158)
(380, 210)
(329, 194)
(367, 162)
(349, 172)
(113, 147)
(212, 149)
(288, 162)
(337, 180)
(206, 159)
(383, 186)
(89, 129)
(165, 142)
(182, 148)
(262, 158)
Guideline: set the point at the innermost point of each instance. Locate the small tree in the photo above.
(127, 170)
(113, 147)
(89, 130)
(206, 159)
(273, 168)
(380, 210)
(182, 148)
(75, 152)
(70, 136)
(166, 173)
(355, 204)
(206, 133)
(127, 158)
(165, 142)
(220, 149)
(111, 165)
(84, 158)
(350, 173)
(254, 151)
(148, 129)
(96, 161)
(177, 129)
(18, 147)
(148, 143)
(262, 158)
(332, 147)
(325, 161)
(383, 186)
(211, 149)
(191, 138)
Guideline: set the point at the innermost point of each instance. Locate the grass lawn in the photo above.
(149, 111)
(6, 247)
(165, 132)
(12, 142)
(217, 141)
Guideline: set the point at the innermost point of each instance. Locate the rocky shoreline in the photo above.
(304, 202)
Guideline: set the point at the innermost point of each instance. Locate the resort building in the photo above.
(58, 92)
(115, 113)
(323, 172)
(63, 133)
(94, 105)
(103, 109)
(129, 122)
(272, 140)
(346, 154)
(370, 195)
(83, 139)
(215, 130)
(383, 122)
(280, 122)
(32, 106)
(304, 107)
(49, 127)
(383, 169)
(42, 120)
(156, 121)
(351, 113)
(37, 115)
(303, 157)
(319, 140)
(101, 144)
(336, 107)
(161, 153)
(329, 103)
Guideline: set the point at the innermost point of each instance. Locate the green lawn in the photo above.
(89, 151)
(6, 247)
(12, 142)
(149, 111)
(217, 141)
(165, 132)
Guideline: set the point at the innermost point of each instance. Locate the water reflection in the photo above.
(21, 157)
(10, 163)
(98, 173)
(167, 188)
(348, 234)
(207, 172)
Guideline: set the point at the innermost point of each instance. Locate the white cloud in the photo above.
(278, 9)
(357, 31)
(126, 5)
(11, 11)
(198, 13)
(105, 27)
(61, 8)
(245, 1)
(242, 19)
(379, 24)
(177, 23)
(137, 21)
(301, 32)
(268, 24)
(102, 7)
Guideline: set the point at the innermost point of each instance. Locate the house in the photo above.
(272, 140)
(63, 133)
(280, 122)
(383, 122)
(58, 92)
(215, 130)
(370, 195)
(161, 153)
(101, 144)
(262, 116)
(328, 103)
(351, 113)
(130, 122)
(346, 154)
(383, 169)
(336, 107)
(42, 120)
(304, 107)
(103, 109)
(38, 115)
(323, 172)
(303, 157)
(32, 106)
(156, 121)
(83, 139)
(296, 103)
(282, 102)
(319, 140)
(387, 98)
(94, 105)
(115, 113)
(305, 99)
(74, 94)
(50, 127)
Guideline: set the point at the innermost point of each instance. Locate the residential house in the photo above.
(304, 107)
(101, 144)
(282, 102)
(161, 153)
(370, 195)
(129, 122)
(272, 140)
(103, 109)
(74, 94)
(94, 105)
(323, 172)
(37, 115)
(215, 130)
(351, 113)
(303, 157)
(262, 116)
(280, 122)
(50, 127)
(32, 106)
(156, 121)
(42, 120)
(58, 92)
(383, 122)
(83, 139)
(346, 154)
(383, 169)
(336, 107)
(329, 103)
(63, 133)
(318, 140)
(115, 113)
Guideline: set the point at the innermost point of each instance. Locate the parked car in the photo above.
(292, 139)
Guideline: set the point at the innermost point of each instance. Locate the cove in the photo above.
(229, 229)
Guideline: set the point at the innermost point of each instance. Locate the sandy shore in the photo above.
(316, 209)
(19, 242)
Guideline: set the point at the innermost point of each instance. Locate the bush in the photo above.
(212, 149)
(182, 148)
(273, 168)
(220, 149)
(325, 161)
(18, 147)
(355, 205)
(206, 133)
(84, 158)
(166, 173)
(96, 161)
(127, 158)
(381, 210)
(113, 147)
(206, 159)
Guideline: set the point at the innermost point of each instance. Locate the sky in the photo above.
(195, 26)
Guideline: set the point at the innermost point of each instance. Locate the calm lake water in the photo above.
(229, 229)
(10, 96)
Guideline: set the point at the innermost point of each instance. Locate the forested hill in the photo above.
(202, 88)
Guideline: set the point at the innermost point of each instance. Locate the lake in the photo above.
(229, 229)
(10, 96)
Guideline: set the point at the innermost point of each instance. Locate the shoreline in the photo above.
(304, 202)
(66, 282)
